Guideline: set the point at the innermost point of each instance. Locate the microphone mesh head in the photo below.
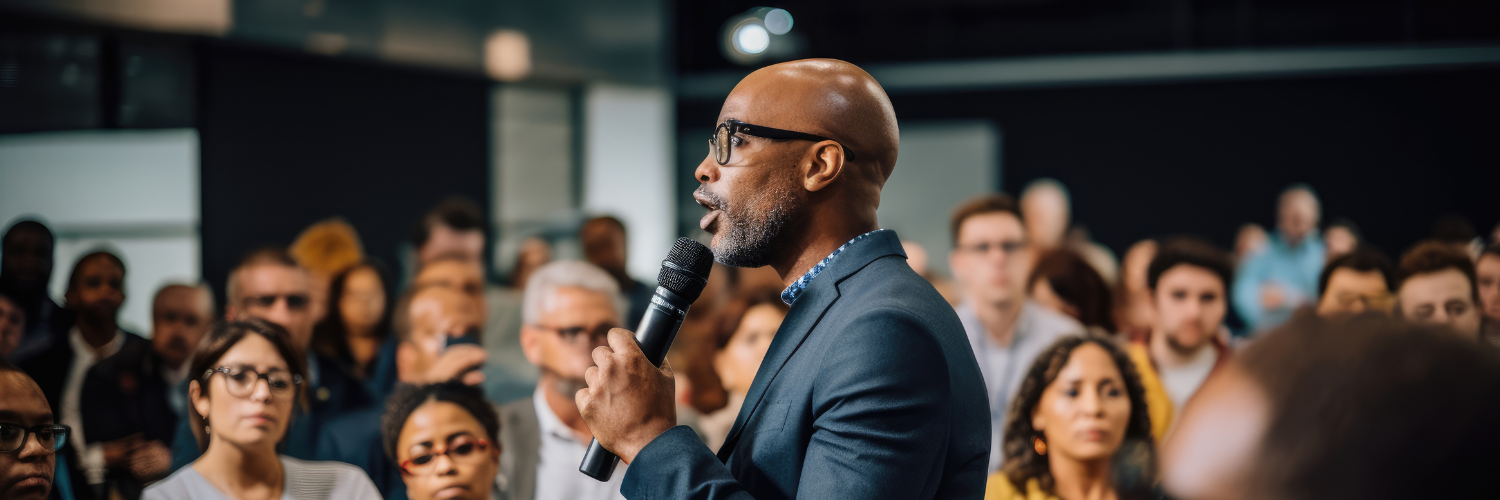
(693, 262)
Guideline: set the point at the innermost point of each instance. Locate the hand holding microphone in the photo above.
(629, 399)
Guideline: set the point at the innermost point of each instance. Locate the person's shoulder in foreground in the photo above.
(305, 480)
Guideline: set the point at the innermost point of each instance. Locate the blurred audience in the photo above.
(1250, 240)
(436, 328)
(326, 249)
(992, 258)
(1064, 283)
(357, 329)
(1488, 272)
(1274, 282)
(268, 284)
(30, 441)
(1358, 281)
(12, 326)
(1437, 286)
(139, 398)
(1341, 237)
(568, 311)
(96, 290)
(750, 323)
(604, 245)
(1080, 404)
(25, 270)
(506, 378)
(1134, 314)
(1048, 211)
(533, 254)
(444, 438)
(1456, 231)
(248, 376)
(1189, 282)
(917, 258)
(1366, 409)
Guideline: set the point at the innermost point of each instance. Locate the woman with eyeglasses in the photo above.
(246, 379)
(444, 437)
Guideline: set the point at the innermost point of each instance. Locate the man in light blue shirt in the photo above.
(1271, 284)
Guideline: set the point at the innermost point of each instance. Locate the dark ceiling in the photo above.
(894, 31)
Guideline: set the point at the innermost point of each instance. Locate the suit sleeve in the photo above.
(880, 423)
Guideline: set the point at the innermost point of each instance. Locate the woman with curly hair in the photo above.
(1078, 429)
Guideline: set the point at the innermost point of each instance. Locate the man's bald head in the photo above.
(775, 193)
(824, 97)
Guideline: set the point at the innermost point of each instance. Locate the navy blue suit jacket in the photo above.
(869, 390)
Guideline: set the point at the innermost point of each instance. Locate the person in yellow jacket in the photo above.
(1081, 402)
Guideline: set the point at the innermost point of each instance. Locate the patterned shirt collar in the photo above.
(790, 294)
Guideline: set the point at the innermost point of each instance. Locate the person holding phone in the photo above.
(246, 376)
(437, 328)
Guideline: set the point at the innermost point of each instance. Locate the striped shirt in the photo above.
(304, 481)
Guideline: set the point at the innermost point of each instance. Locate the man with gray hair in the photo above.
(568, 309)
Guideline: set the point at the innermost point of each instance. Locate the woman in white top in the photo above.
(247, 379)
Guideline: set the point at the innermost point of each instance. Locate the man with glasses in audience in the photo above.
(436, 328)
(1362, 280)
(29, 441)
(269, 284)
(991, 259)
(567, 310)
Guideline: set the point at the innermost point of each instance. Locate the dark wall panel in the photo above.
(289, 139)
(1391, 152)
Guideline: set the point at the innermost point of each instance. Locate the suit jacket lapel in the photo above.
(810, 308)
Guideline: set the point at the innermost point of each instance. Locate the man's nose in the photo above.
(708, 170)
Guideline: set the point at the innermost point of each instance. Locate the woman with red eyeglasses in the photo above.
(443, 437)
(247, 380)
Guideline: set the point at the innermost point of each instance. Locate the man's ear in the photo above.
(530, 345)
(825, 165)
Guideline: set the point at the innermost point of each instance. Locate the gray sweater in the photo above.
(304, 481)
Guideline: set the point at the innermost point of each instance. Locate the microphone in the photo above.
(682, 278)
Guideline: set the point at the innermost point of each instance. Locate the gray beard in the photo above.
(568, 387)
(749, 239)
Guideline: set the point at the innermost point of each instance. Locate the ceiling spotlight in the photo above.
(778, 21)
(751, 38)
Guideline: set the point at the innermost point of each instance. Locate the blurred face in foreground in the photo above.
(1083, 415)
(1443, 297)
(1211, 452)
(443, 453)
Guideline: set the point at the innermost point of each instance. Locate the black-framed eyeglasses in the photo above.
(294, 301)
(722, 141)
(240, 380)
(52, 437)
(984, 248)
(573, 333)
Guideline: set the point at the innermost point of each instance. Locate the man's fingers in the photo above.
(666, 368)
(623, 342)
(591, 377)
(601, 355)
(582, 399)
(475, 377)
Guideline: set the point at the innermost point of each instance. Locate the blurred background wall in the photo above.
(1162, 117)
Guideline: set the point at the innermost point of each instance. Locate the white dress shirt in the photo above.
(91, 456)
(557, 476)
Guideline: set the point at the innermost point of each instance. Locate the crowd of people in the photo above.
(1214, 373)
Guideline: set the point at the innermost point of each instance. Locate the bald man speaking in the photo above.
(870, 389)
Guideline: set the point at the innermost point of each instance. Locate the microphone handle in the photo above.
(654, 335)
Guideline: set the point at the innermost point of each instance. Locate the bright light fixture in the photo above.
(751, 38)
(778, 21)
